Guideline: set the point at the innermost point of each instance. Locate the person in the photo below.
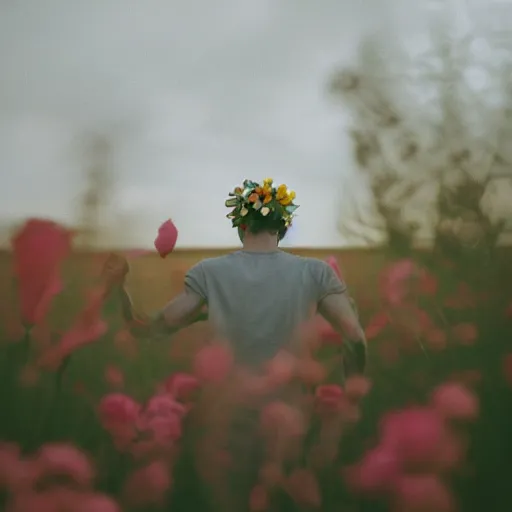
(257, 297)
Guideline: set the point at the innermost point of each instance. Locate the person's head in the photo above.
(261, 212)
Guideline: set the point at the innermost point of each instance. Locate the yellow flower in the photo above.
(267, 199)
(267, 182)
(288, 198)
(282, 192)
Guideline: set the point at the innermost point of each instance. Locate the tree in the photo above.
(430, 141)
(97, 174)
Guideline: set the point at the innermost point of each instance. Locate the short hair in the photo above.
(268, 225)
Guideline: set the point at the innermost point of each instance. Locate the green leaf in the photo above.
(231, 202)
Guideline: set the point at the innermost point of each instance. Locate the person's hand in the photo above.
(114, 271)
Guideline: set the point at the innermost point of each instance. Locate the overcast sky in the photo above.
(196, 95)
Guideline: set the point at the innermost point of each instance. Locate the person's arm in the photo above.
(183, 310)
(338, 310)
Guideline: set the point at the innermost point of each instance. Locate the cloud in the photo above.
(193, 95)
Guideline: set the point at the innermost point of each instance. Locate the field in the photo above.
(451, 335)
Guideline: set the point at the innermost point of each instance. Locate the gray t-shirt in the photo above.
(257, 301)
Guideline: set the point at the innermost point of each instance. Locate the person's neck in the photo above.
(260, 243)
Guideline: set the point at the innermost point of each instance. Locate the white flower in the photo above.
(244, 211)
(257, 205)
(265, 211)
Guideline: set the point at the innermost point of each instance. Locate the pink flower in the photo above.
(114, 376)
(166, 238)
(418, 436)
(329, 399)
(395, 281)
(117, 408)
(281, 368)
(455, 402)
(357, 387)
(279, 417)
(16, 474)
(161, 419)
(164, 405)
(95, 502)
(376, 325)
(333, 263)
(419, 493)
(213, 363)
(65, 460)
(58, 499)
(310, 372)
(411, 320)
(465, 333)
(303, 488)
(375, 473)
(163, 429)
(39, 250)
(88, 327)
(181, 385)
(118, 415)
(52, 500)
(326, 333)
(148, 485)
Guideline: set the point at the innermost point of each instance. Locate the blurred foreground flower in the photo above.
(88, 327)
(403, 280)
(65, 460)
(303, 488)
(118, 414)
(166, 238)
(39, 250)
(60, 500)
(454, 402)
(57, 478)
(181, 386)
(148, 486)
(333, 263)
(213, 363)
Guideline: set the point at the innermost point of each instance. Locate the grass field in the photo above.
(408, 359)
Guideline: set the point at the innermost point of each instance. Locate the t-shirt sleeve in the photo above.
(195, 280)
(326, 280)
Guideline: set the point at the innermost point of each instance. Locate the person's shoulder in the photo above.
(315, 263)
(217, 261)
(319, 269)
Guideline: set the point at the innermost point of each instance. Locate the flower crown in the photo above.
(253, 199)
